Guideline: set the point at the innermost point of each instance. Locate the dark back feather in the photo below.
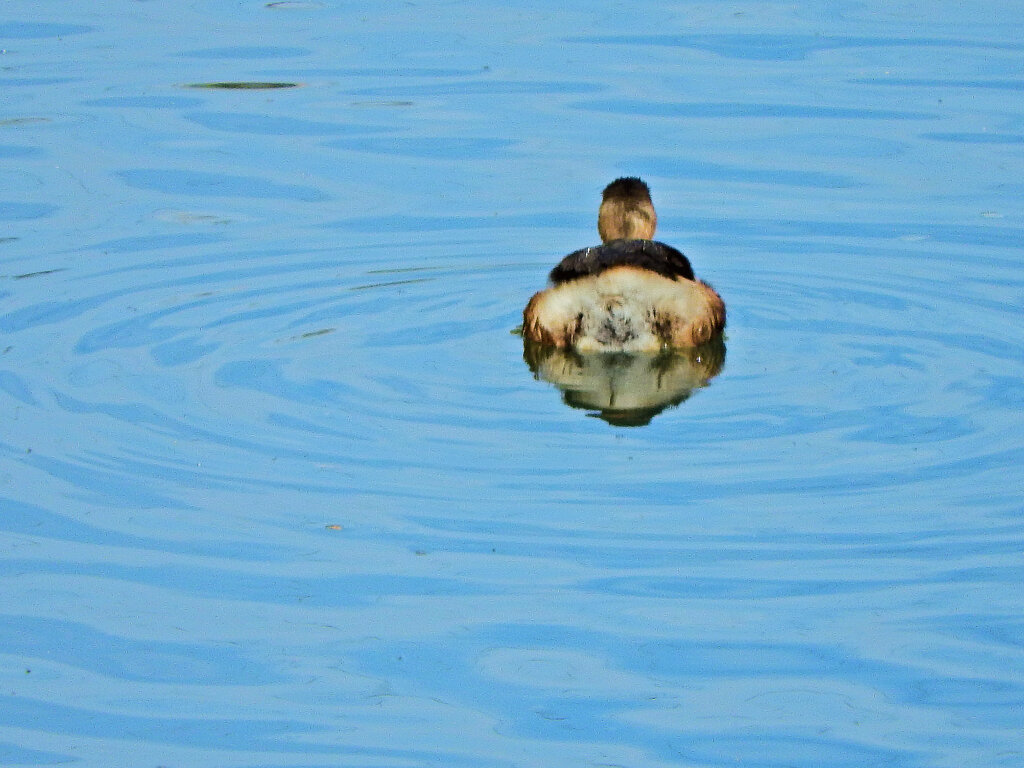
(646, 254)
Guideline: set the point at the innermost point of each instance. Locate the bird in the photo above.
(629, 294)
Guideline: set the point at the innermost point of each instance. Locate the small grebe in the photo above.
(631, 294)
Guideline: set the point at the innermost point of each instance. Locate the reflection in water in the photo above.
(244, 85)
(626, 389)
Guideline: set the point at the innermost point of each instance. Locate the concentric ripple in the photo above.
(280, 487)
(278, 367)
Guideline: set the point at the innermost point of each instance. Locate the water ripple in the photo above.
(259, 124)
(787, 47)
(31, 30)
(721, 110)
(200, 184)
(278, 486)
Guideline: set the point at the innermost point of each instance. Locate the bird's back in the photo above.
(624, 308)
(644, 254)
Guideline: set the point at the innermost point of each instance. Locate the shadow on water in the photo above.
(625, 389)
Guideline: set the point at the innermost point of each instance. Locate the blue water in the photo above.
(278, 489)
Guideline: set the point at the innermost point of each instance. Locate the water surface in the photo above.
(278, 488)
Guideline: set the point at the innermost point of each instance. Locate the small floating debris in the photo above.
(381, 104)
(306, 335)
(294, 4)
(321, 332)
(12, 121)
(392, 283)
(333, 527)
(244, 85)
(37, 274)
(191, 217)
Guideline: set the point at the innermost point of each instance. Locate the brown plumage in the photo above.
(629, 294)
(626, 211)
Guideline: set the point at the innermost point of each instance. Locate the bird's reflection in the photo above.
(626, 389)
